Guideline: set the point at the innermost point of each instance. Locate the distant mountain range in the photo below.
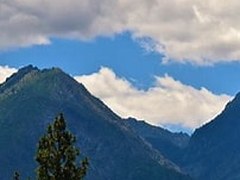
(171, 145)
(31, 98)
(211, 153)
(119, 149)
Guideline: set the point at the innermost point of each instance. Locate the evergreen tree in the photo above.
(57, 155)
(16, 176)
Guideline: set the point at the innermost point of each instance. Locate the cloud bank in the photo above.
(197, 31)
(168, 102)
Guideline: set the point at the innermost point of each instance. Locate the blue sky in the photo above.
(123, 55)
(175, 64)
(127, 60)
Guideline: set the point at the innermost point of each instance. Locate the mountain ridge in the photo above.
(171, 145)
(31, 98)
(214, 148)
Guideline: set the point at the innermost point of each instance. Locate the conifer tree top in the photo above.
(57, 155)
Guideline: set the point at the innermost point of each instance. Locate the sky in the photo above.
(172, 63)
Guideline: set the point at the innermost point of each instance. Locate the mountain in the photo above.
(214, 149)
(171, 145)
(31, 98)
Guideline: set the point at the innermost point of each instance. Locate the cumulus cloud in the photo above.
(5, 72)
(168, 102)
(197, 31)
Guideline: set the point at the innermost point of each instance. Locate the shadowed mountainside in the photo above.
(214, 149)
(171, 145)
(31, 98)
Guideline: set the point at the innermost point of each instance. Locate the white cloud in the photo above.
(196, 31)
(168, 102)
(5, 72)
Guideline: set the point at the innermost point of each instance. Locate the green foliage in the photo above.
(16, 176)
(57, 154)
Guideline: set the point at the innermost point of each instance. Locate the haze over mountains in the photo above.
(118, 148)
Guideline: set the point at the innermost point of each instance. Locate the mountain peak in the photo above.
(16, 77)
(53, 70)
(31, 97)
(21, 73)
(28, 68)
